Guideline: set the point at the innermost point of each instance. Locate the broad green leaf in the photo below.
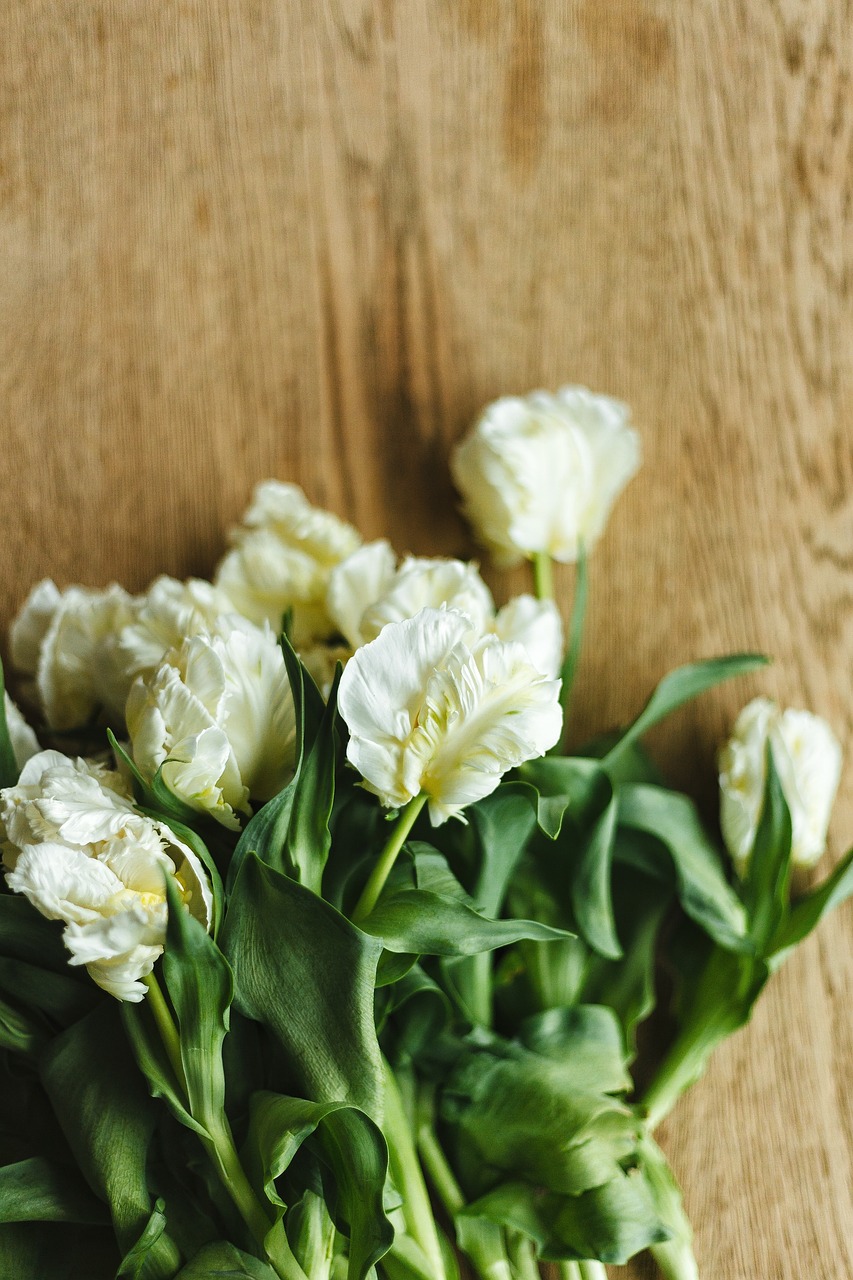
(60, 995)
(355, 1150)
(416, 921)
(19, 1033)
(132, 1266)
(540, 1117)
(503, 823)
(308, 839)
(807, 913)
(627, 986)
(566, 785)
(766, 885)
(26, 935)
(308, 702)
(200, 986)
(53, 1251)
(590, 885)
(291, 832)
(680, 686)
(703, 890)
(588, 1041)
(9, 771)
(418, 1012)
(107, 1117)
(36, 1190)
(308, 974)
(223, 1261)
(610, 1223)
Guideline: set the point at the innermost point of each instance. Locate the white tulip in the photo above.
(281, 559)
(538, 626)
(217, 717)
(66, 642)
(24, 742)
(429, 714)
(807, 757)
(79, 851)
(366, 593)
(539, 474)
(169, 612)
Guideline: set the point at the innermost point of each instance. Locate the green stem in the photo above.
(408, 1178)
(682, 1067)
(575, 639)
(166, 1027)
(219, 1145)
(439, 1171)
(592, 1271)
(387, 858)
(568, 1270)
(543, 575)
(522, 1256)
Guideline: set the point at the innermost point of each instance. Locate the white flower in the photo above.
(538, 626)
(807, 757)
(366, 593)
(24, 742)
(167, 614)
(429, 714)
(66, 642)
(79, 851)
(540, 473)
(281, 559)
(217, 717)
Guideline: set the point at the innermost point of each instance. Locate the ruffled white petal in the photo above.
(24, 742)
(537, 625)
(356, 583)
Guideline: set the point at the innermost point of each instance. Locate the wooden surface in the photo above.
(310, 239)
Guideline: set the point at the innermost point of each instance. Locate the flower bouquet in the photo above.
(320, 959)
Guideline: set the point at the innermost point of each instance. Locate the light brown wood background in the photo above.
(309, 238)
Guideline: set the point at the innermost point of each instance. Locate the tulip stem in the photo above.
(166, 1027)
(568, 1270)
(387, 858)
(592, 1270)
(218, 1142)
(543, 575)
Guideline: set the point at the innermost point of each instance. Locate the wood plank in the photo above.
(310, 240)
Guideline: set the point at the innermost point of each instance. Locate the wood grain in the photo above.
(311, 239)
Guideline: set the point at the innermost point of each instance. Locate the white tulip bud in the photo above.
(538, 474)
(807, 757)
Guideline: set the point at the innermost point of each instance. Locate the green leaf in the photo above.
(133, 1263)
(588, 1041)
(355, 1150)
(807, 913)
(154, 797)
(61, 995)
(610, 1223)
(36, 1190)
(107, 1117)
(19, 1033)
(416, 921)
(291, 832)
(680, 686)
(307, 974)
(590, 885)
(703, 890)
(200, 986)
(223, 1261)
(52, 1251)
(9, 771)
(766, 883)
(194, 841)
(566, 785)
(308, 702)
(308, 839)
(551, 1119)
(27, 935)
(503, 824)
